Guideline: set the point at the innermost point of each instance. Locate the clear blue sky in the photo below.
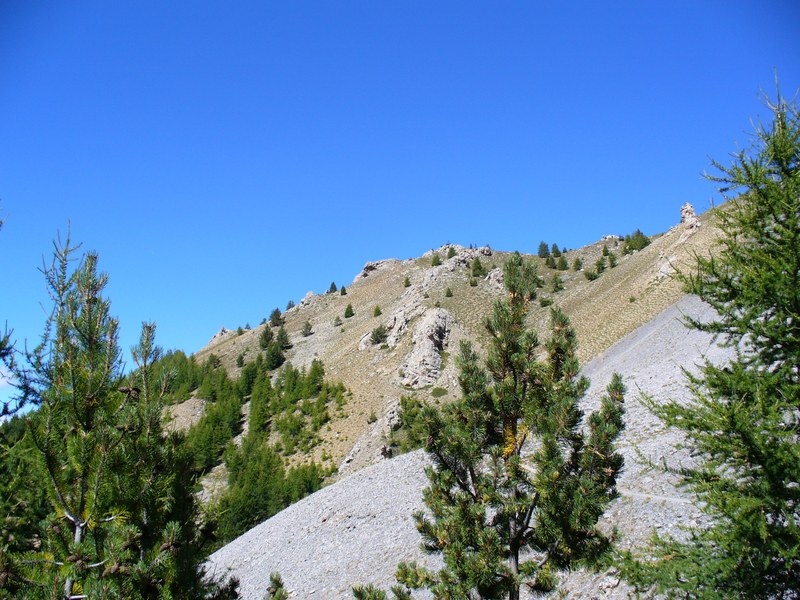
(224, 158)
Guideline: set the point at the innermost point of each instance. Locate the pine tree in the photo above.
(503, 512)
(544, 249)
(265, 338)
(306, 330)
(282, 339)
(348, 311)
(119, 513)
(275, 318)
(554, 251)
(742, 422)
(477, 269)
(562, 264)
(333, 288)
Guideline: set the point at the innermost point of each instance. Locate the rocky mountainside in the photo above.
(358, 529)
(424, 324)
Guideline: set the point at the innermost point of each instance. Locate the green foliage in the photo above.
(410, 432)
(275, 318)
(577, 264)
(348, 311)
(121, 520)
(605, 251)
(600, 264)
(612, 260)
(259, 486)
(343, 291)
(562, 264)
(240, 360)
(306, 330)
(544, 249)
(293, 410)
(239, 330)
(477, 269)
(438, 392)
(221, 421)
(377, 312)
(451, 252)
(742, 423)
(554, 251)
(379, 335)
(274, 357)
(550, 262)
(265, 338)
(590, 275)
(282, 339)
(556, 283)
(333, 288)
(337, 322)
(473, 282)
(276, 591)
(501, 519)
(545, 302)
(290, 304)
(436, 260)
(635, 241)
(448, 293)
(406, 282)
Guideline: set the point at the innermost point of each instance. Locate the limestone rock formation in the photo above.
(370, 267)
(431, 335)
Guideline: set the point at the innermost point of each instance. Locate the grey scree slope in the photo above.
(358, 529)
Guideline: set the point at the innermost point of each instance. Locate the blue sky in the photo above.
(224, 158)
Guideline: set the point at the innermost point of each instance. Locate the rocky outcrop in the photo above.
(496, 280)
(373, 266)
(431, 335)
(222, 334)
(689, 222)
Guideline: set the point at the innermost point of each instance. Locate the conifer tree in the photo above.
(265, 338)
(275, 317)
(110, 474)
(742, 422)
(332, 288)
(544, 250)
(503, 512)
(307, 330)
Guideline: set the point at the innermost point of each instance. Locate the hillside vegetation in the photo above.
(377, 376)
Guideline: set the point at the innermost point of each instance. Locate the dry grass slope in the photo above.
(602, 311)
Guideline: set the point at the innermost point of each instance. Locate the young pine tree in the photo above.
(503, 512)
(120, 522)
(743, 420)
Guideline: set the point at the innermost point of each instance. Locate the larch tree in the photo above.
(743, 422)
